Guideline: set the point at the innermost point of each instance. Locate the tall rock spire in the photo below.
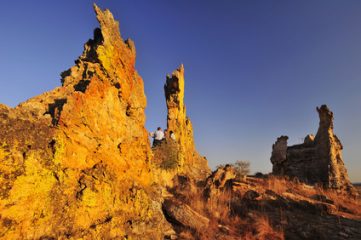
(178, 122)
(329, 149)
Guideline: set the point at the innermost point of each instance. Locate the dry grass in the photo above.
(281, 185)
(263, 231)
(225, 223)
(343, 202)
(231, 216)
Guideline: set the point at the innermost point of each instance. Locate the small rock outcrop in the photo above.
(181, 213)
(317, 160)
(219, 181)
(190, 161)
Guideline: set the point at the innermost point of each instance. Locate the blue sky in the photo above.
(255, 70)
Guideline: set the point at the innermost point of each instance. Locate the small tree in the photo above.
(242, 168)
(220, 166)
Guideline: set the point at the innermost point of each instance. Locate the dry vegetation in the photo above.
(263, 208)
(344, 203)
(227, 219)
(166, 155)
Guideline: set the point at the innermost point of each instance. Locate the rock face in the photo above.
(184, 215)
(279, 154)
(317, 160)
(75, 160)
(190, 161)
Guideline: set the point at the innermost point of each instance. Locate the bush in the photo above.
(166, 155)
(220, 166)
(242, 168)
(260, 175)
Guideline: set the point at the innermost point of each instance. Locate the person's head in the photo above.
(159, 128)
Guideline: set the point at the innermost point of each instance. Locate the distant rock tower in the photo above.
(317, 160)
(178, 122)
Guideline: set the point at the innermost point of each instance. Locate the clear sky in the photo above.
(255, 70)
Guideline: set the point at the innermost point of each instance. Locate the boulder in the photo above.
(180, 213)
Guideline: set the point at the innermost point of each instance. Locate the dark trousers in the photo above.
(156, 142)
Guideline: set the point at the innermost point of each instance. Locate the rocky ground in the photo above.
(269, 207)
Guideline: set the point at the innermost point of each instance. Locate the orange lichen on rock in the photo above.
(80, 153)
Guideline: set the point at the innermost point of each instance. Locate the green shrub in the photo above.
(166, 155)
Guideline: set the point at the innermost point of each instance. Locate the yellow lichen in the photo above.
(30, 198)
(105, 55)
(3, 152)
(59, 150)
(10, 160)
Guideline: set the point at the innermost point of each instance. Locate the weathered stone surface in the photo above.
(221, 175)
(317, 160)
(190, 162)
(184, 215)
(279, 154)
(75, 160)
(220, 180)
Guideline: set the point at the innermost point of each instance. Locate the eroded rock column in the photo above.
(329, 150)
(177, 121)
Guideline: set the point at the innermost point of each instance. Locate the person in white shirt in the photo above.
(157, 137)
(172, 135)
(165, 134)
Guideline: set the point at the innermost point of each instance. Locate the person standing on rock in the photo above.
(165, 135)
(172, 135)
(157, 137)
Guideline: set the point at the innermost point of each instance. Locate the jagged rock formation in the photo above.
(190, 162)
(75, 160)
(75, 163)
(317, 160)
